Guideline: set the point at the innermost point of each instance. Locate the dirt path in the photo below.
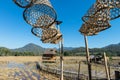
(22, 68)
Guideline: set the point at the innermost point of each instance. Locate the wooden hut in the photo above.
(49, 55)
(96, 59)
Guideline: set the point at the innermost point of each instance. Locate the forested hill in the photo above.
(35, 50)
(112, 50)
(30, 48)
(113, 47)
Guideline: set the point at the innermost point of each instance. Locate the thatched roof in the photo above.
(50, 51)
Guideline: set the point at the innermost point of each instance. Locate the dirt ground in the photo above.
(24, 67)
(98, 70)
(20, 58)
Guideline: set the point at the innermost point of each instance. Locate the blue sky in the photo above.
(15, 32)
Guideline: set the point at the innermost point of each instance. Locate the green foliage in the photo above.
(111, 50)
(110, 58)
(7, 52)
(35, 50)
(66, 53)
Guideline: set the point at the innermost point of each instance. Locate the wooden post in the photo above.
(106, 67)
(61, 52)
(88, 58)
(79, 70)
(109, 69)
(61, 60)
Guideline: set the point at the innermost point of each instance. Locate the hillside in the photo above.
(33, 49)
(112, 49)
(30, 48)
(115, 47)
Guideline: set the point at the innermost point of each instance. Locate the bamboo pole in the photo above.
(109, 69)
(79, 70)
(88, 58)
(61, 60)
(61, 52)
(106, 67)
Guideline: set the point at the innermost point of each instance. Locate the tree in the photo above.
(66, 53)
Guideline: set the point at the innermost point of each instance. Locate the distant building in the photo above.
(49, 55)
(96, 58)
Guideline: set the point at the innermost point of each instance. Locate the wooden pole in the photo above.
(79, 70)
(106, 67)
(61, 52)
(88, 58)
(61, 60)
(109, 69)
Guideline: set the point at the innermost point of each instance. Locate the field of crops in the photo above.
(24, 68)
(98, 70)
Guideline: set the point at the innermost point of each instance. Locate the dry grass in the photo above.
(15, 71)
(20, 58)
(70, 64)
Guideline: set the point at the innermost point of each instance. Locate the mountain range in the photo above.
(30, 48)
(111, 49)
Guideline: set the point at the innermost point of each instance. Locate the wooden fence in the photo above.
(68, 75)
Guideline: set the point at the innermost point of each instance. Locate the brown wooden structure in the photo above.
(49, 55)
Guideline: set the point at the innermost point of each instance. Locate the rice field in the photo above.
(24, 68)
(98, 70)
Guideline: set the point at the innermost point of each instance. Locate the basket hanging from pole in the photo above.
(49, 35)
(47, 2)
(90, 30)
(99, 15)
(109, 7)
(45, 33)
(40, 15)
(24, 3)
